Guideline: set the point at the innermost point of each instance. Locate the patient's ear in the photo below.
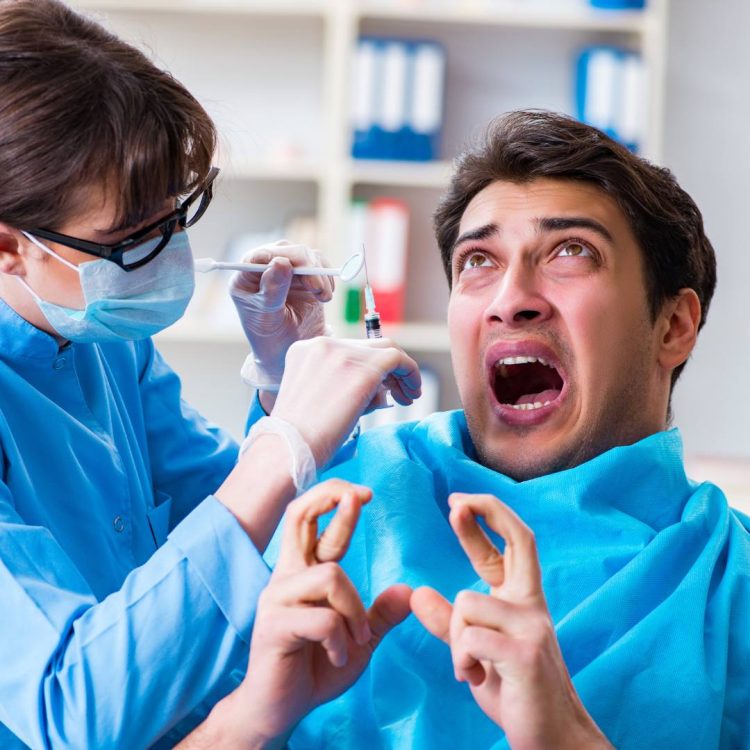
(11, 261)
(680, 319)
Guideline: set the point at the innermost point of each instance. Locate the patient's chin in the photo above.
(523, 468)
(520, 460)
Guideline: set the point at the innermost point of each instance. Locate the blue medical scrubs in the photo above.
(127, 592)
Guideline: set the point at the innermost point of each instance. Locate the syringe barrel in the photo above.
(372, 326)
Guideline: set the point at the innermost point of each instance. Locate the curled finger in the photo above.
(300, 536)
(324, 585)
(297, 626)
(485, 557)
(485, 611)
(466, 668)
(476, 646)
(521, 574)
(402, 370)
(334, 541)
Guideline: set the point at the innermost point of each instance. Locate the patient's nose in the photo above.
(518, 299)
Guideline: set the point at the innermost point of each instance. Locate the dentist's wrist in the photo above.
(227, 728)
(259, 488)
(303, 469)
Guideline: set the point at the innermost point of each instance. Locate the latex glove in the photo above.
(312, 636)
(277, 308)
(504, 645)
(330, 383)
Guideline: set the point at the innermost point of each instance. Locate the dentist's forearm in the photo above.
(259, 488)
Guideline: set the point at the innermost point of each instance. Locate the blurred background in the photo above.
(339, 120)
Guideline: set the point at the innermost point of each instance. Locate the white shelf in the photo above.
(407, 174)
(417, 337)
(272, 172)
(518, 14)
(511, 13)
(249, 7)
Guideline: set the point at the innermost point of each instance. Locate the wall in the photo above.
(707, 146)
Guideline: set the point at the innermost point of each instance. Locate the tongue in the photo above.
(539, 398)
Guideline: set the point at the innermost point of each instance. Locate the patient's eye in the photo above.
(473, 259)
(573, 249)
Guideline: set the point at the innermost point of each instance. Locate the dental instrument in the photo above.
(348, 271)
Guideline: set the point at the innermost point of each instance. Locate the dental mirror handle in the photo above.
(217, 265)
(347, 272)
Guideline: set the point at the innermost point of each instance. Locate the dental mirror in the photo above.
(349, 270)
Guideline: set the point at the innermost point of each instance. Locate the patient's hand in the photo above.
(504, 645)
(312, 636)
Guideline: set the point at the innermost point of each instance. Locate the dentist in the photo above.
(130, 532)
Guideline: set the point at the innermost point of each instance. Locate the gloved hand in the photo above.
(277, 308)
(330, 383)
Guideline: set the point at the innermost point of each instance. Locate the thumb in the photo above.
(433, 611)
(387, 611)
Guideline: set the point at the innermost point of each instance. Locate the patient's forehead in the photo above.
(563, 196)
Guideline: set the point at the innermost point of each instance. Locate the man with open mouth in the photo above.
(604, 599)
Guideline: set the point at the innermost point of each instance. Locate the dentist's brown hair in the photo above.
(81, 109)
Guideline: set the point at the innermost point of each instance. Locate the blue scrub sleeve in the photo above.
(255, 413)
(190, 457)
(121, 672)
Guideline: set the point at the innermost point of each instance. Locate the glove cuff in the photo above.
(256, 377)
(303, 471)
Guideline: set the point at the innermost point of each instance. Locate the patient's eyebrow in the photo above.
(552, 224)
(476, 235)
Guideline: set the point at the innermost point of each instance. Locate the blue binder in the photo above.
(610, 93)
(618, 4)
(397, 99)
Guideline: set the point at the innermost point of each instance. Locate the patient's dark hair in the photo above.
(523, 146)
(81, 109)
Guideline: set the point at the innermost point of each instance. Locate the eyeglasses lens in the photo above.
(197, 207)
(146, 251)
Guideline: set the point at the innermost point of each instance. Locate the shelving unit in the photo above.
(274, 74)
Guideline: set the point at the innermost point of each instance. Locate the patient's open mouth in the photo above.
(526, 383)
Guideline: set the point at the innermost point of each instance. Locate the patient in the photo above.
(580, 276)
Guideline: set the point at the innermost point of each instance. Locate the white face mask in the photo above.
(124, 305)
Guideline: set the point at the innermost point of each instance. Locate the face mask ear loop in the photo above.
(47, 250)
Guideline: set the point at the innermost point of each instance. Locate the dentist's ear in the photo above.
(681, 317)
(11, 260)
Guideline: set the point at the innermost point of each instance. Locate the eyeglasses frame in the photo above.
(166, 225)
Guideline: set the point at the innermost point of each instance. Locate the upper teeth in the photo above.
(522, 361)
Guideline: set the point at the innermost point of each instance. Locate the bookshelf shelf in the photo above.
(281, 172)
(414, 337)
(408, 174)
(244, 7)
(511, 14)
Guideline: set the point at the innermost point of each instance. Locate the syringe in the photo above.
(372, 316)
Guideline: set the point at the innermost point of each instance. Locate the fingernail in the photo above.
(364, 633)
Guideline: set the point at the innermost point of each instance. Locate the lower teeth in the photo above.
(527, 407)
